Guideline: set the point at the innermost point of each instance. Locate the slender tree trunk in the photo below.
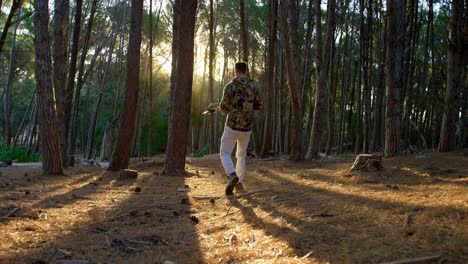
(377, 132)
(29, 126)
(8, 91)
(51, 154)
(409, 72)
(71, 77)
(121, 156)
(109, 138)
(289, 10)
(331, 101)
(182, 94)
(360, 80)
(279, 102)
(394, 59)
(243, 29)
(33, 129)
(424, 70)
(76, 102)
(465, 120)
(367, 130)
(60, 56)
(305, 70)
(454, 73)
(99, 101)
(15, 6)
(345, 88)
(175, 42)
(20, 128)
(210, 76)
(270, 68)
(149, 151)
(322, 70)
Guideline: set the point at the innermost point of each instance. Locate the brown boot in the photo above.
(232, 182)
(239, 188)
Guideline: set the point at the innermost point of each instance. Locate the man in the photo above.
(240, 99)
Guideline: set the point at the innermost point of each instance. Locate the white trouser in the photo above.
(228, 141)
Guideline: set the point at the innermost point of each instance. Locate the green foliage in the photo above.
(204, 151)
(19, 154)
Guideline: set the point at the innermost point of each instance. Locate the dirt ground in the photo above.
(315, 212)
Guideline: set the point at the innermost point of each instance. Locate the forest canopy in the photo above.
(313, 61)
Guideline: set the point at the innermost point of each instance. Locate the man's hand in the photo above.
(213, 107)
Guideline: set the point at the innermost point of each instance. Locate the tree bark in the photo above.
(31, 102)
(51, 154)
(71, 77)
(360, 79)
(454, 73)
(212, 55)
(331, 100)
(99, 101)
(243, 29)
(121, 156)
(367, 131)
(8, 91)
(322, 73)
(377, 132)
(76, 100)
(8, 23)
(270, 67)
(60, 56)
(149, 150)
(394, 59)
(182, 94)
(288, 12)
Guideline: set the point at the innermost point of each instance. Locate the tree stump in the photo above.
(367, 161)
(128, 174)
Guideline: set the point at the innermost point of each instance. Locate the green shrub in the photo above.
(19, 154)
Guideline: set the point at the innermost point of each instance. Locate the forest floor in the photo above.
(315, 212)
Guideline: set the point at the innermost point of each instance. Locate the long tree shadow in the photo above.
(104, 220)
(338, 224)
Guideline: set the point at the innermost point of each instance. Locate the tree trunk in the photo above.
(424, 70)
(345, 87)
(410, 92)
(290, 35)
(394, 59)
(331, 100)
(121, 156)
(51, 154)
(149, 150)
(182, 94)
(76, 100)
(7, 99)
(454, 73)
(243, 29)
(377, 132)
(31, 102)
(8, 23)
(60, 56)
(360, 79)
(322, 70)
(306, 68)
(367, 131)
(33, 129)
(270, 67)
(71, 77)
(211, 133)
(101, 88)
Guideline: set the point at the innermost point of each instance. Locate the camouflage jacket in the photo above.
(240, 99)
